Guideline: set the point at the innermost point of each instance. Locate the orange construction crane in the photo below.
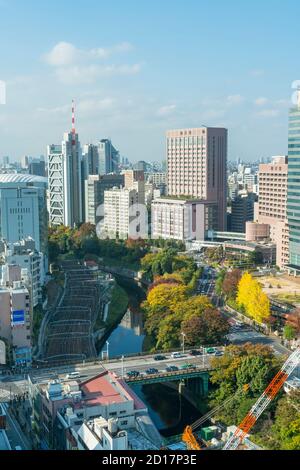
(267, 396)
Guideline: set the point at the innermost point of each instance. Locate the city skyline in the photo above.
(132, 87)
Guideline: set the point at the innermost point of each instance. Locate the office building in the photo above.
(15, 314)
(37, 167)
(90, 157)
(293, 188)
(109, 158)
(95, 186)
(272, 205)
(182, 219)
(242, 210)
(25, 255)
(23, 211)
(65, 182)
(196, 166)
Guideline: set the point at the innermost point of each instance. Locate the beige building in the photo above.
(196, 166)
(123, 214)
(272, 205)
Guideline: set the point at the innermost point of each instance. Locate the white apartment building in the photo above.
(25, 255)
(64, 174)
(15, 314)
(196, 166)
(123, 215)
(182, 219)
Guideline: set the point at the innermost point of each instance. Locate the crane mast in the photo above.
(267, 396)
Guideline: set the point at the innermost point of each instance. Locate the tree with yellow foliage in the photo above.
(252, 299)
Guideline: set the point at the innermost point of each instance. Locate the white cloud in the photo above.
(257, 72)
(268, 113)
(166, 110)
(90, 73)
(65, 53)
(233, 100)
(260, 101)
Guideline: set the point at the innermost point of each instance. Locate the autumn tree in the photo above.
(231, 282)
(252, 299)
(207, 328)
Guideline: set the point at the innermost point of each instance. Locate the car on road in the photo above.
(187, 366)
(194, 352)
(159, 357)
(211, 350)
(133, 373)
(152, 370)
(73, 375)
(219, 353)
(171, 368)
(176, 355)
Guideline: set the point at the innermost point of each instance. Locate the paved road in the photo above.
(15, 435)
(247, 334)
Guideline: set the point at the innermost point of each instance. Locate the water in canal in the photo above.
(169, 411)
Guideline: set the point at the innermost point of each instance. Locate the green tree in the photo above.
(289, 332)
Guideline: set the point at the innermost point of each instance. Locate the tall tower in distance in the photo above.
(64, 173)
(196, 166)
(293, 187)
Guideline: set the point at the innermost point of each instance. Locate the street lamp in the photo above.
(183, 337)
(122, 374)
(107, 344)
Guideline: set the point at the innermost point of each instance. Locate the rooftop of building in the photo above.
(21, 178)
(4, 442)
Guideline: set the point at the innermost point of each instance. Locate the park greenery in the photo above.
(243, 373)
(82, 241)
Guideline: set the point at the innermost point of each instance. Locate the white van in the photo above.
(176, 355)
(73, 375)
(18, 448)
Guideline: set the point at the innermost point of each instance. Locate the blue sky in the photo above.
(138, 68)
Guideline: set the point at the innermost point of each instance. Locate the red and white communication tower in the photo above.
(73, 124)
(263, 401)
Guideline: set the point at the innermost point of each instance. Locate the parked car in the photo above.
(133, 373)
(176, 355)
(159, 357)
(171, 368)
(152, 370)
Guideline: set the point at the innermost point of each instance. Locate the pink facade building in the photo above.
(272, 205)
(196, 166)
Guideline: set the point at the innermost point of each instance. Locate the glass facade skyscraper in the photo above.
(293, 195)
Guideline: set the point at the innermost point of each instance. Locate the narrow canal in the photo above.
(169, 411)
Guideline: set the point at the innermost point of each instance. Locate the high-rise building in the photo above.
(135, 179)
(90, 158)
(196, 166)
(37, 167)
(109, 157)
(23, 209)
(242, 210)
(272, 204)
(95, 186)
(65, 183)
(293, 188)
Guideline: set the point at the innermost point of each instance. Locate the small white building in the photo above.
(179, 219)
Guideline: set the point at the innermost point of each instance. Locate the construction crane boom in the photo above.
(267, 396)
